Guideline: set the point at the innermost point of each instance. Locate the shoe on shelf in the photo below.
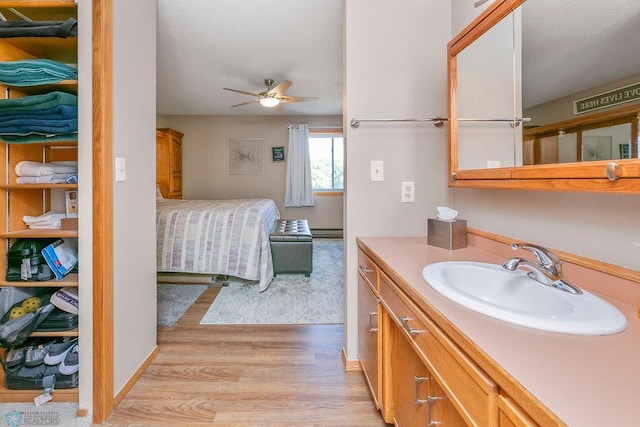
(14, 356)
(70, 364)
(58, 351)
(36, 353)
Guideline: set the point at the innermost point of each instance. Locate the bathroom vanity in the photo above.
(429, 360)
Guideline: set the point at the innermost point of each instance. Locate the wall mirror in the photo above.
(546, 95)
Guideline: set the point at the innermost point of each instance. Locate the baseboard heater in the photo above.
(335, 233)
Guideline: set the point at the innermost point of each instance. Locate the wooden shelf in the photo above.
(56, 49)
(39, 234)
(54, 334)
(70, 279)
(59, 395)
(69, 86)
(37, 186)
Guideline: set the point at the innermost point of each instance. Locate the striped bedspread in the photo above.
(227, 237)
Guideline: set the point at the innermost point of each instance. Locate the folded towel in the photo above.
(37, 102)
(59, 112)
(34, 125)
(22, 28)
(49, 220)
(31, 72)
(47, 179)
(28, 168)
(31, 138)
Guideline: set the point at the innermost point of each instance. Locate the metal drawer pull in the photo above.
(412, 331)
(373, 314)
(430, 401)
(365, 269)
(416, 382)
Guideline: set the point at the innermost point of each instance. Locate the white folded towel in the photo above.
(47, 220)
(47, 179)
(28, 168)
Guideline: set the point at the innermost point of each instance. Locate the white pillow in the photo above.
(158, 193)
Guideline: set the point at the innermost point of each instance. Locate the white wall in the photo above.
(134, 118)
(395, 67)
(205, 153)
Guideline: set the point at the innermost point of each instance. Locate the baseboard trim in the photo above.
(350, 365)
(136, 376)
(330, 233)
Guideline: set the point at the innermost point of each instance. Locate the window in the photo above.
(327, 162)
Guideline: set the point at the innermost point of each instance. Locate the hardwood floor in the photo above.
(208, 375)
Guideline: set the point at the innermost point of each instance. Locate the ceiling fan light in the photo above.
(269, 102)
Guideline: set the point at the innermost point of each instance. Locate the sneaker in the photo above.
(14, 356)
(58, 351)
(70, 364)
(36, 353)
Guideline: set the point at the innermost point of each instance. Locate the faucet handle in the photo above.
(543, 255)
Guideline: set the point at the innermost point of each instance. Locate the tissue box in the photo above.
(447, 234)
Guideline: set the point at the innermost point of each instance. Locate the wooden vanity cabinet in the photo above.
(169, 163)
(421, 375)
(369, 327)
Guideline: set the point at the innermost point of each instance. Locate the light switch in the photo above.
(377, 170)
(121, 169)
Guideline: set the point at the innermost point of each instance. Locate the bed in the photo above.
(218, 237)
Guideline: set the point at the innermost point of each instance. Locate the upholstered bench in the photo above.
(292, 247)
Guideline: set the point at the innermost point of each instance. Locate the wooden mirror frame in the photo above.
(588, 176)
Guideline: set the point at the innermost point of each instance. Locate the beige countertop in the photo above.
(583, 380)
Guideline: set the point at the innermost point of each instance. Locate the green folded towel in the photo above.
(37, 102)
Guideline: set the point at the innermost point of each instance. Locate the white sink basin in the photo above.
(513, 297)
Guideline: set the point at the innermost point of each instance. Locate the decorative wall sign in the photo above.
(278, 154)
(607, 99)
(246, 156)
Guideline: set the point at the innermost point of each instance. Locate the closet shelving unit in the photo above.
(17, 200)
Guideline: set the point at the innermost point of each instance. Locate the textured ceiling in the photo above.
(573, 45)
(205, 45)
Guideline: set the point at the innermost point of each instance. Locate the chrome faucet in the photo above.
(548, 269)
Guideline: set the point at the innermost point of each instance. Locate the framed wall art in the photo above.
(246, 156)
(277, 153)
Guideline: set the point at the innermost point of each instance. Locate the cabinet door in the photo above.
(409, 382)
(418, 399)
(511, 415)
(368, 338)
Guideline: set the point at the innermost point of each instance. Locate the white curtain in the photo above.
(299, 191)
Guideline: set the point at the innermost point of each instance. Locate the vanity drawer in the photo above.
(471, 391)
(368, 269)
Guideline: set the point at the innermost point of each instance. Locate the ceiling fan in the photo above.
(273, 96)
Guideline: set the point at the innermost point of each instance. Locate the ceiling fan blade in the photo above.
(242, 91)
(280, 88)
(298, 98)
(255, 101)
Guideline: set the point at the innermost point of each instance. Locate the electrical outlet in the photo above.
(408, 192)
(377, 170)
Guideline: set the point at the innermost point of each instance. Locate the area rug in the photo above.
(175, 300)
(289, 299)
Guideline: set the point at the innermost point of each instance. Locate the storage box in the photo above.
(447, 234)
(69, 223)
